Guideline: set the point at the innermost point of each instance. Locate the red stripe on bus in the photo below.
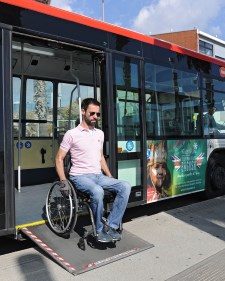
(73, 17)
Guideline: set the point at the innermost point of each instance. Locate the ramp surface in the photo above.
(67, 253)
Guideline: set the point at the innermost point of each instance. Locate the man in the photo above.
(210, 126)
(85, 143)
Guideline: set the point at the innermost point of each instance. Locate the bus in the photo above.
(155, 98)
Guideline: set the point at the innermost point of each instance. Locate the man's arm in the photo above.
(59, 164)
(104, 167)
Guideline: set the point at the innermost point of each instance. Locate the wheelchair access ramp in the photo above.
(65, 251)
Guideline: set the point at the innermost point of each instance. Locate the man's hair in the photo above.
(85, 103)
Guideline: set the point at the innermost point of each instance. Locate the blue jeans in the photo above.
(94, 185)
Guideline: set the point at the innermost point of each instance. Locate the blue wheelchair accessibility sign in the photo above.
(129, 145)
(28, 144)
(19, 145)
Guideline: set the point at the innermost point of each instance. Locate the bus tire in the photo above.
(215, 176)
(218, 179)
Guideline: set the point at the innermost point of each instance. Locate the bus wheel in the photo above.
(218, 179)
(215, 176)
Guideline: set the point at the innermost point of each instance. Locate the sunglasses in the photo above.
(92, 113)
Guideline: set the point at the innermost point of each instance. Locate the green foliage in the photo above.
(63, 112)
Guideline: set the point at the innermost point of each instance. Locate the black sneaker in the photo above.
(113, 233)
(104, 237)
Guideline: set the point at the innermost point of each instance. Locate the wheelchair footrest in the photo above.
(82, 244)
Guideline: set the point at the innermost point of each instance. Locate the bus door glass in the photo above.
(128, 123)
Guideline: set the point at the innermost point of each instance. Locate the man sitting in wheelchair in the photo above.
(85, 143)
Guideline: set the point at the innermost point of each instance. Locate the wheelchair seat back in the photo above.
(67, 164)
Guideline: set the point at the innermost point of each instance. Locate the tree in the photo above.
(40, 99)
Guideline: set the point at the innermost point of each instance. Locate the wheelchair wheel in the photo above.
(61, 210)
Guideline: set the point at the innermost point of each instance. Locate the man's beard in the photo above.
(89, 122)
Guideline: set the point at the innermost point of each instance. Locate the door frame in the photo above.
(7, 132)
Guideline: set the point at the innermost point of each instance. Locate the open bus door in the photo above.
(7, 217)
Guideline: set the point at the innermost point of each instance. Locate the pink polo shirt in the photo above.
(85, 148)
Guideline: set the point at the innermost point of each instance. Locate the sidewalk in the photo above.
(185, 240)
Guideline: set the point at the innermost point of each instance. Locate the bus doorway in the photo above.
(49, 80)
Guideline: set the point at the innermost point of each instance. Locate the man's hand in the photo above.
(65, 187)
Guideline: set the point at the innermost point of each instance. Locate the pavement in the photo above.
(189, 244)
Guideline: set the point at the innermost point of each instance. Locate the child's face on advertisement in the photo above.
(158, 174)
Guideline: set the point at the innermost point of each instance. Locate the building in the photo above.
(196, 40)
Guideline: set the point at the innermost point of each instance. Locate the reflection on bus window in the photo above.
(127, 98)
(16, 104)
(69, 93)
(39, 108)
(172, 101)
(213, 107)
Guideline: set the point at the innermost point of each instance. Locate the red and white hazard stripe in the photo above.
(109, 259)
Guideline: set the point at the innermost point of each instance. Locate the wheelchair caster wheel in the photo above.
(82, 244)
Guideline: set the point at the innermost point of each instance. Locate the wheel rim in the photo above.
(59, 209)
(74, 214)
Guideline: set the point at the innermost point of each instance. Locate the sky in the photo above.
(154, 16)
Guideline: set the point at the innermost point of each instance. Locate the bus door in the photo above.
(7, 218)
(128, 124)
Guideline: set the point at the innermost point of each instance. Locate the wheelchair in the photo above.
(63, 210)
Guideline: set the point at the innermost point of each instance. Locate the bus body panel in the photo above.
(154, 97)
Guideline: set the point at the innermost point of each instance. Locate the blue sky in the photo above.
(154, 16)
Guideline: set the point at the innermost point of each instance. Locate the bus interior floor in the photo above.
(30, 203)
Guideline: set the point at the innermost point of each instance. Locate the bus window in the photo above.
(39, 108)
(64, 95)
(127, 96)
(213, 107)
(128, 119)
(16, 104)
(66, 120)
(172, 101)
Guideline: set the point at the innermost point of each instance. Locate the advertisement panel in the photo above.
(175, 167)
